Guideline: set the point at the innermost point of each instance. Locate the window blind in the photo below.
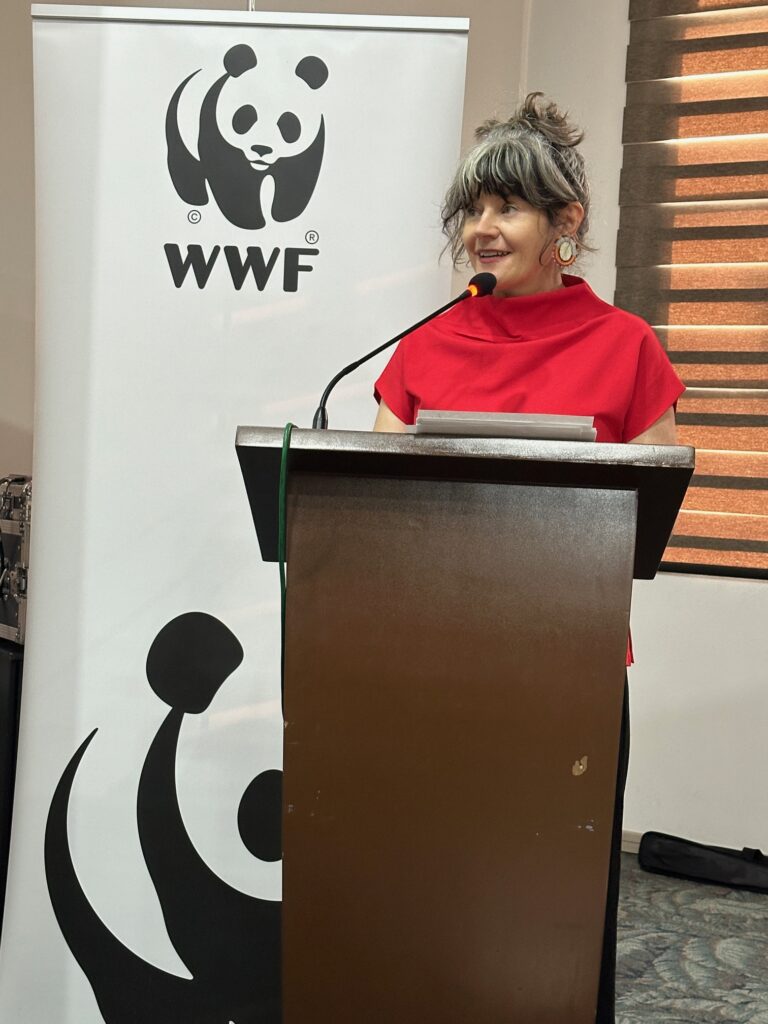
(692, 255)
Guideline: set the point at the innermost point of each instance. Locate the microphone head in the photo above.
(482, 284)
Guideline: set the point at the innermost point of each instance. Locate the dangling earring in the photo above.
(565, 250)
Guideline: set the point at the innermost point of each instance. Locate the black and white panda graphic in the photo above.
(250, 130)
(229, 941)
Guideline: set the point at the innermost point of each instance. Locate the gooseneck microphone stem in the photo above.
(320, 422)
(481, 284)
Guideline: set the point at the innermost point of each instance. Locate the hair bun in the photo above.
(538, 114)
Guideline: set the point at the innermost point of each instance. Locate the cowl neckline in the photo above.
(497, 319)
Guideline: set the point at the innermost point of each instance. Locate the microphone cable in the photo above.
(282, 515)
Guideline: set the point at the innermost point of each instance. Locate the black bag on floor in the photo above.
(682, 858)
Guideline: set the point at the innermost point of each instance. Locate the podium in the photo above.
(456, 633)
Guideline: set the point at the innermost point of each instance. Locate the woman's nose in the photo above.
(486, 224)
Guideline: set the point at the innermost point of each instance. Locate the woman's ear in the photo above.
(569, 219)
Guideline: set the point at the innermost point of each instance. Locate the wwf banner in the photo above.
(230, 207)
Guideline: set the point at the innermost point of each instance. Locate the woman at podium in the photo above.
(543, 342)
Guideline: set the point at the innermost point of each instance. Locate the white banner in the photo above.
(230, 207)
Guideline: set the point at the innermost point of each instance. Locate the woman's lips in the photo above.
(491, 255)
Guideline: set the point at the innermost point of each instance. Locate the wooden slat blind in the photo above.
(692, 254)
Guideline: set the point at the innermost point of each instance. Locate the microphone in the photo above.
(479, 285)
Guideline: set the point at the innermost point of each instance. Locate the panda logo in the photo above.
(246, 136)
(228, 940)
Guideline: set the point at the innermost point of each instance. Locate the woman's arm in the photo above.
(387, 422)
(663, 431)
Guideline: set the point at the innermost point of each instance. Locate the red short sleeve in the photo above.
(656, 387)
(391, 387)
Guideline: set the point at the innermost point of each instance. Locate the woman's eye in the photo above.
(508, 208)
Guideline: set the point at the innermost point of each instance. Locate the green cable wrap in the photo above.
(282, 505)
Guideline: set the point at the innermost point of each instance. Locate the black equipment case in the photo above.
(682, 858)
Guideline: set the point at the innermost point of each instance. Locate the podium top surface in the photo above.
(658, 473)
(324, 442)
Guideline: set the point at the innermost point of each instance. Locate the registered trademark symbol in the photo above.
(193, 217)
(311, 238)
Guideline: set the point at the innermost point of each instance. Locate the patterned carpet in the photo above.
(689, 953)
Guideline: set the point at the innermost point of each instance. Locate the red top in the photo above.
(564, 351)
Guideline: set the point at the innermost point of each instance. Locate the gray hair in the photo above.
(533, 155)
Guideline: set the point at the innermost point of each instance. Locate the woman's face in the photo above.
(513, 240)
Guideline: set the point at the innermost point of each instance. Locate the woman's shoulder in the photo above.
(600, 308)
(621, 330)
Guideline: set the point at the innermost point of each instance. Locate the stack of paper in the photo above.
(505, 424)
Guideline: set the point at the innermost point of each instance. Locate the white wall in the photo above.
(699, 690)
(700, 710)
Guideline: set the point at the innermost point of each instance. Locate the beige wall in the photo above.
(578, 56)
(16, 233)
(698, 690)
(493, 80)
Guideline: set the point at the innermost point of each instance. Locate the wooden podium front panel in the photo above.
(455, 652)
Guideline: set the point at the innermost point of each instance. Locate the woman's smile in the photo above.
(491, 255)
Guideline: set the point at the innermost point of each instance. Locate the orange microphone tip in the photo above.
(473, 289)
